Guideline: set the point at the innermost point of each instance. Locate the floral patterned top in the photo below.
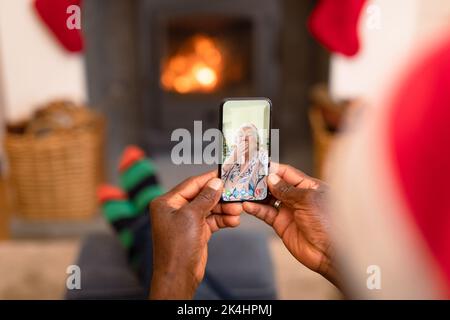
(250, 184)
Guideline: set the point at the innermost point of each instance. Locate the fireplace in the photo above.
(194, 53)
(207, 54)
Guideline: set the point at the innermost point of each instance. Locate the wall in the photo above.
(33, 66)
(405, 27)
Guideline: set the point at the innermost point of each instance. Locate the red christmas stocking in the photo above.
(334, 23)
(54, 15)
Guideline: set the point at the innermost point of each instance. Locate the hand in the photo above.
(182, 222)
(301, 221)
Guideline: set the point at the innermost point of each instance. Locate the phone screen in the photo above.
(246, 149)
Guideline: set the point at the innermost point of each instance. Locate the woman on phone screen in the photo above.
(245, 168)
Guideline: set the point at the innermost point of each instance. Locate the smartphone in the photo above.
(245, 124)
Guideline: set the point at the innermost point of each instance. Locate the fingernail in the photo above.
(274, 178)
(215, 183)
(273, 167)
(248, 207)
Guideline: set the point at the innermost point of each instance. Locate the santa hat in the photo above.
(391, 175)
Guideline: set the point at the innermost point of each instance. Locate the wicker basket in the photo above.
(55, 168)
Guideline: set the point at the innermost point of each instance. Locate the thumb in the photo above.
(285, 192)
(207, 199)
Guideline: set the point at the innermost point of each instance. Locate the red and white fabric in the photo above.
(391, 179)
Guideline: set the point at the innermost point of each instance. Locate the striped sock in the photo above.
(138, 178)
(132, 228)
(119, 212)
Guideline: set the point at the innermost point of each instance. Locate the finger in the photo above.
(293, 176)
(218, 221)
(287, 193)
(263, 212)
(188, 189)
(234, 209)
(206, 199)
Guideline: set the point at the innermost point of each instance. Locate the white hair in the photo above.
(250, 126)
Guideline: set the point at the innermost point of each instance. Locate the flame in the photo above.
(195, 67)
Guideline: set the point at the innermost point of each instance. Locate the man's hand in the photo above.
(301, 220)
(182, 222)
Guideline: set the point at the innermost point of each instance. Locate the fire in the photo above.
(195, 67)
